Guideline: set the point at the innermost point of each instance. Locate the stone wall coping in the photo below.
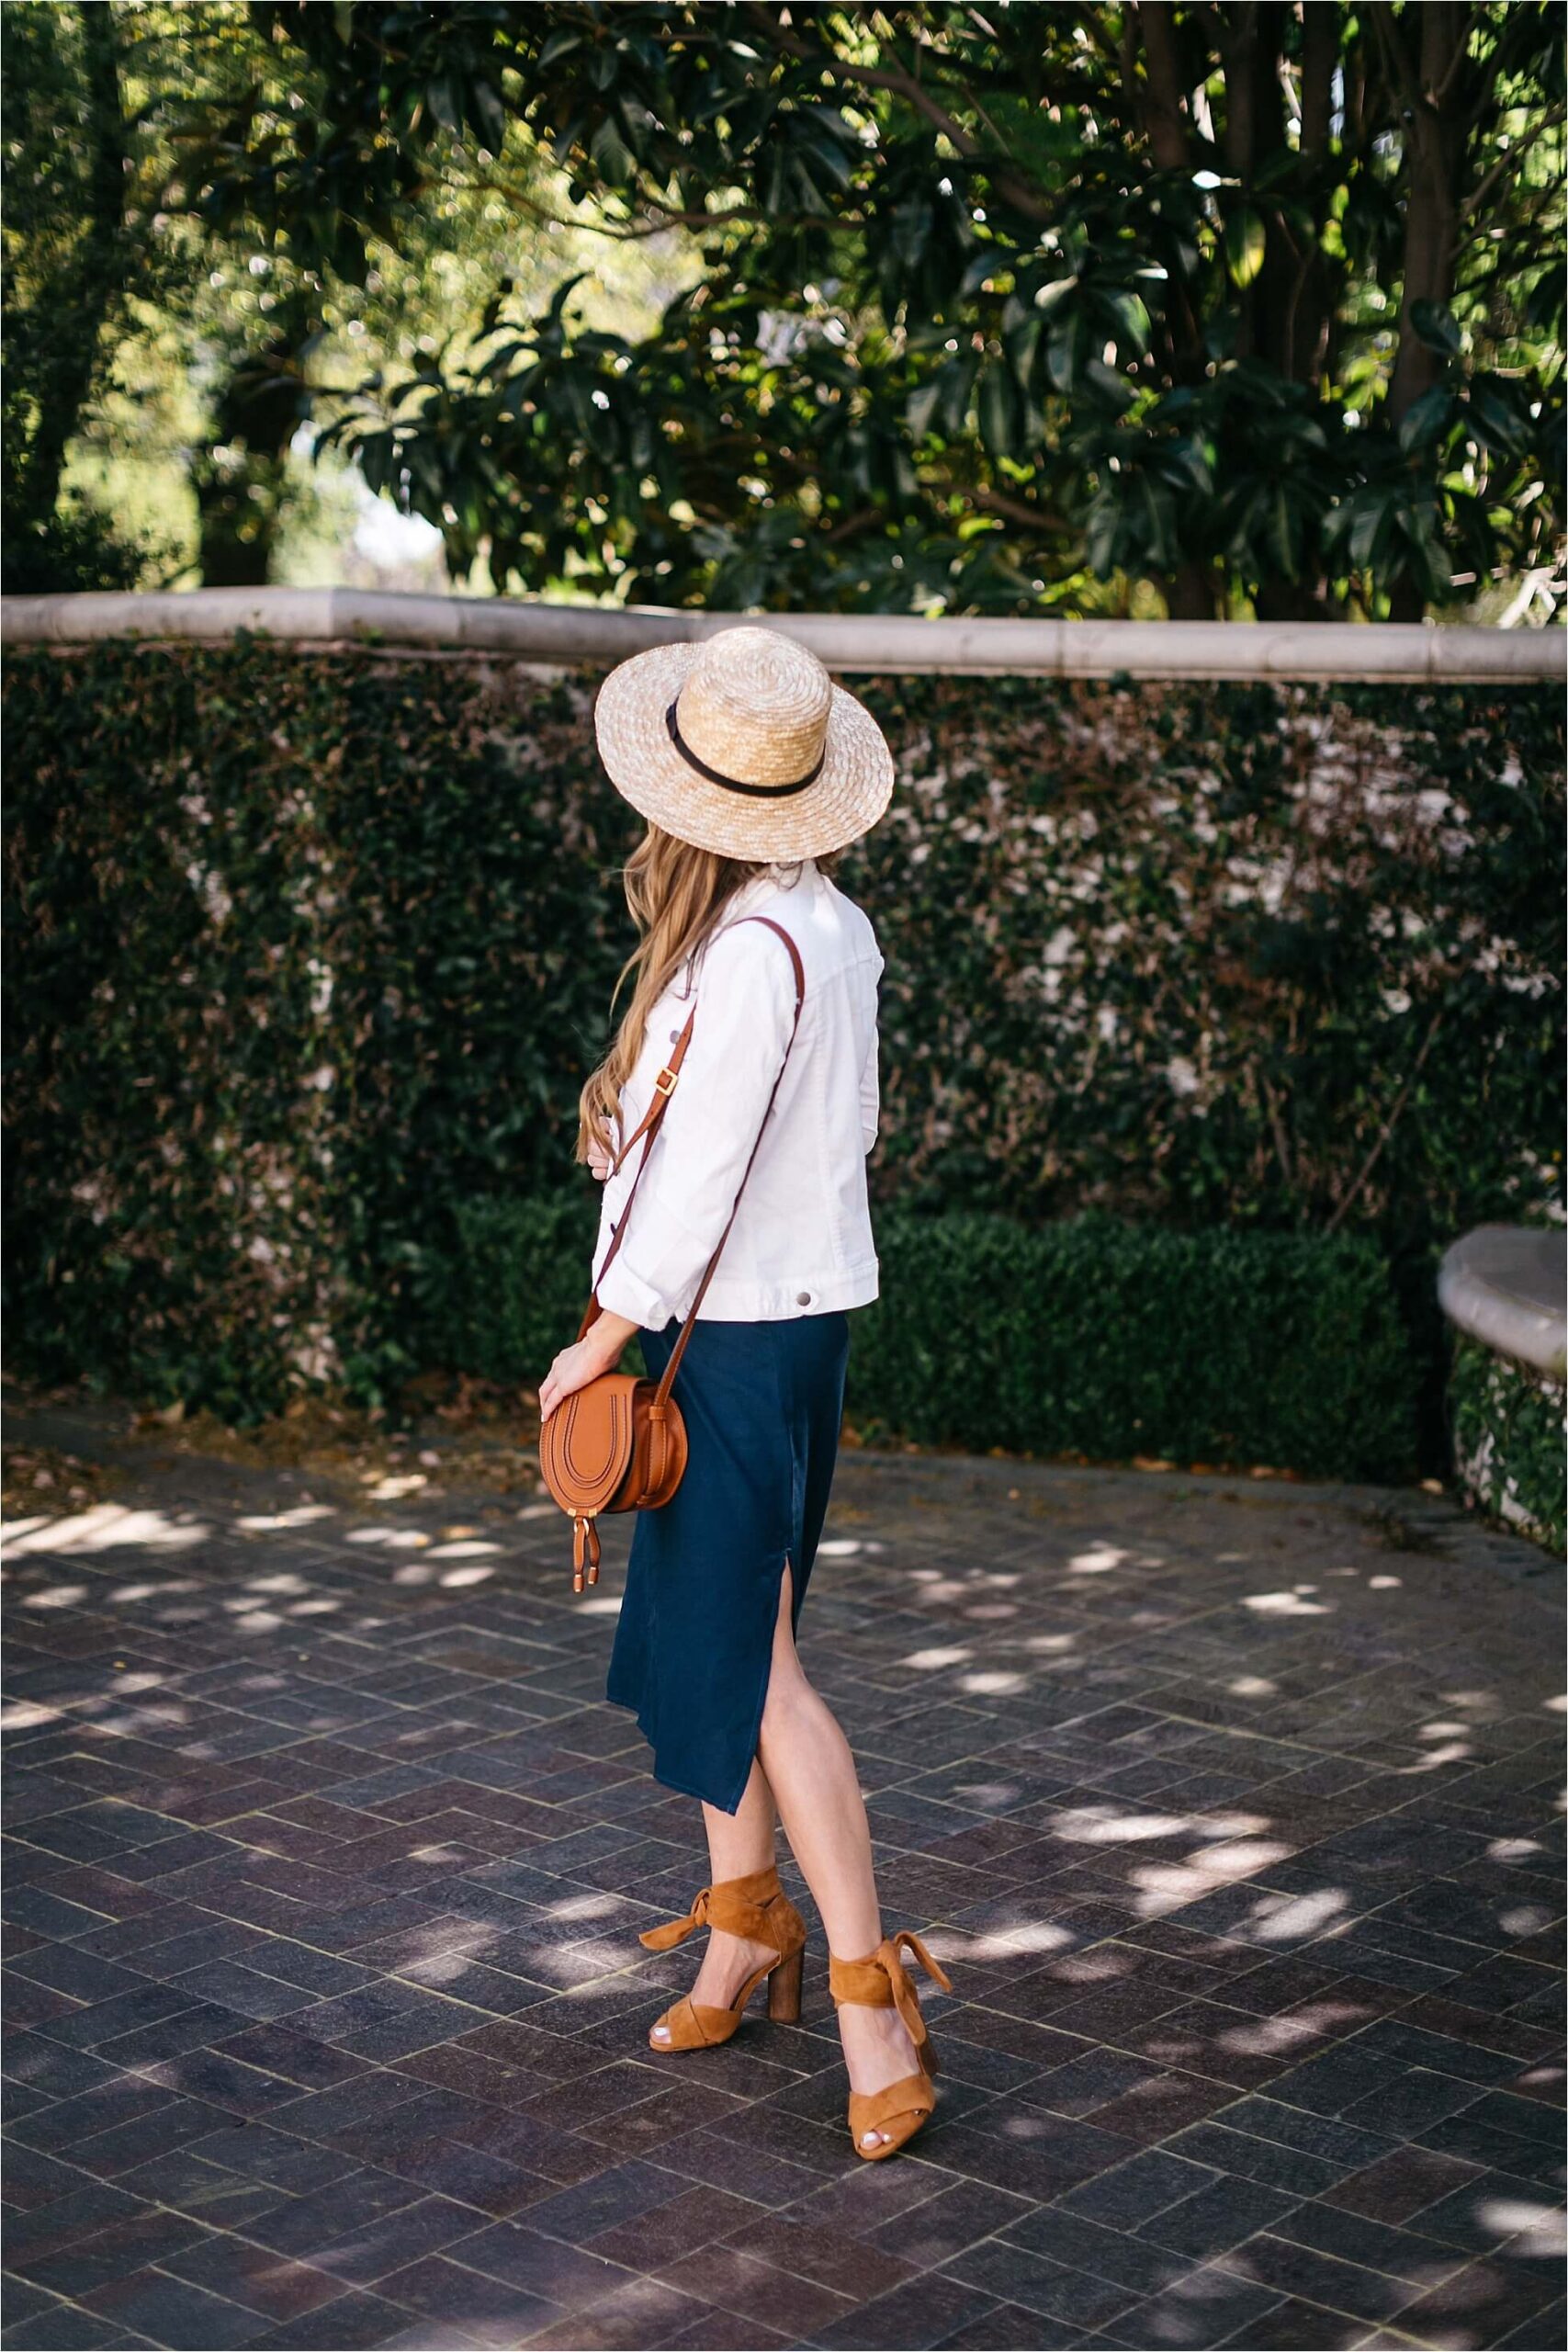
(1505, 1284)
(562, 635)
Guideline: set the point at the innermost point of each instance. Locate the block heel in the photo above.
(784, 1989)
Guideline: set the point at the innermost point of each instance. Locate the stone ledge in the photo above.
(1504, 1284)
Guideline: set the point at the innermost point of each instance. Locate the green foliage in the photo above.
(511, 1292)
(1091, 1336)
(307, 954)
(67, 263)
(157, 365)
(997, 313)
(1112, 1340)
(1508, 1439)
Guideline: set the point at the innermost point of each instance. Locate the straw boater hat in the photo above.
(743, 744)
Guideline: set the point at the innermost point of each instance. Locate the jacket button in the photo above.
(802, 1298)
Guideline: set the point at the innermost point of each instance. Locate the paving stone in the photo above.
(302, 2223)
(481, 2310)
(723, 2332)
(1015, 2274)
(568, 2276)
(1376, 2246)
(353, 2324)
(361, 2257)
(1218, 2217)
(327, 2015)
(1207, 2306)
(942, 2226)
(615, 2199)
(1006, 2327)
(251, 2275)
(644, 2311)
(64, 2327)
(1134, 2191)
(925, 2312)
(165, 2310)
(1292, 2269)
(1295, 2326)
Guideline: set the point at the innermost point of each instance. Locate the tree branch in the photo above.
(1007, 183)
(1456, 62)
(997, 502)
(1387, 1130)
(1397, 67)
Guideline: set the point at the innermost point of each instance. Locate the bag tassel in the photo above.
(584, 1551)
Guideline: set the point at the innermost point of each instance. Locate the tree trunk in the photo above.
(1159, 101)
(240, 500)
(1165, 116)
(1309, 318)
(1189, 593)
(1255, 133)
(1321, 30)
(1435, 146)
(95, 275)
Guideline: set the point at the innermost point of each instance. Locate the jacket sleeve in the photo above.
(745, 1011)
(869, 1095)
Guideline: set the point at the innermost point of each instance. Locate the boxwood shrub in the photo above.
(1093, 1335)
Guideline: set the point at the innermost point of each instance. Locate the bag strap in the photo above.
(648, 1129)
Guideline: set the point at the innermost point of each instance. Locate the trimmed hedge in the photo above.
(514, 1287)
(306, 953)
(1509, 1433)
(1091, 1336)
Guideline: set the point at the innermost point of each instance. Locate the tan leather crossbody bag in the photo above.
(619, 1444)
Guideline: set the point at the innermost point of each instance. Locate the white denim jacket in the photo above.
(802, 1242)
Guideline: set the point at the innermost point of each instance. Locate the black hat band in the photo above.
(732, 783)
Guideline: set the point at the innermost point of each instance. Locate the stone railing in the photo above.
(558, 635)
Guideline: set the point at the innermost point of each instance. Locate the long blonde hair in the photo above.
(676, 895)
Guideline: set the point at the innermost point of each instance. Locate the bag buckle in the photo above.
(665, 1082)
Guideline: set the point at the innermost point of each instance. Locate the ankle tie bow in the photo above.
(736, 1906)
(881, 1981)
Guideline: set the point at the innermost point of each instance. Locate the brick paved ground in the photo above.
(1232, 1808)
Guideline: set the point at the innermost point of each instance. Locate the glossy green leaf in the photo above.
(1437, 328)
(1427, 419)
(1245, 244)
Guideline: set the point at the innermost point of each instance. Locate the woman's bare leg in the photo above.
(812, 1778)
(738, 1843)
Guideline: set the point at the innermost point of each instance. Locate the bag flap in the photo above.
(585, 1447)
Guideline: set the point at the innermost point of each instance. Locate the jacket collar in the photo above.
(775, 882)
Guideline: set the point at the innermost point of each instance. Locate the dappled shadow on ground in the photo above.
(1234, 1812)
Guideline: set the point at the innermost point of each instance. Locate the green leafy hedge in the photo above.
(1509, 1434)
(306, 953)
(1106, 1339)
(1090, 1337)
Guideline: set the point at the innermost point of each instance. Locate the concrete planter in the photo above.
(1501, 1287)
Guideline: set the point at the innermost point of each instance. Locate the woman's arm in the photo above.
(745, 1015)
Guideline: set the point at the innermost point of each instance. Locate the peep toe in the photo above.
(881, 1981)
(758, 1908)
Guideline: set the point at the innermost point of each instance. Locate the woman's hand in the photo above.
(601, 1348)
(599, 1157)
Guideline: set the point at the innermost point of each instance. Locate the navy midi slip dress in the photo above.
(762, 1404)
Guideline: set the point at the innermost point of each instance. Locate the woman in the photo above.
(751, 768)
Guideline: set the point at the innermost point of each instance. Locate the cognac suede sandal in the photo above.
(758, 1908)
(881, 1981)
